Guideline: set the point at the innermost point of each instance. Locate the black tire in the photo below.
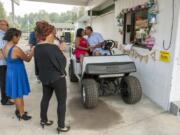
(89, 93)
(131, 90)
(72, 75)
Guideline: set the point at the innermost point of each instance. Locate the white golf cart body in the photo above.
(97, 73)
(104, 66)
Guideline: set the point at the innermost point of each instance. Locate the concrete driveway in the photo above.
(111, 117)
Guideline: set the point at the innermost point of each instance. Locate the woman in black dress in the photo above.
(51, 64)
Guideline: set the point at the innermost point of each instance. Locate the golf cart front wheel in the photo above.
(89, 93)
(131, 91)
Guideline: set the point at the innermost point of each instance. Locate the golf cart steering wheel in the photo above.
(109, 44)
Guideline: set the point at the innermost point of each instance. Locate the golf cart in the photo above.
(105, 75)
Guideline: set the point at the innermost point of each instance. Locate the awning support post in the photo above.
(91, 17)
(13, 12)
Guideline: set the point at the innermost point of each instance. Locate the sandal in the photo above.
(65, 129)
(24, 117)
(47, 123)
(18, 114)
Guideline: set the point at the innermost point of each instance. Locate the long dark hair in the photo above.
(79, 32)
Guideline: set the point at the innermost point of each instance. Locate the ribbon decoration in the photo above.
(135, 54)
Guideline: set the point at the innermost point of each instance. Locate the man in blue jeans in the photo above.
(32, 39)
(4, 99)
(33, 43)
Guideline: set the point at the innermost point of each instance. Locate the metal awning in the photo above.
(69, 2)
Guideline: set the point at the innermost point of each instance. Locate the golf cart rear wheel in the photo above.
(72, 75)
(131, 91)
(89, 93)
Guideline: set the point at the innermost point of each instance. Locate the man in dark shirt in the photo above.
(33, 43)
(32, 39)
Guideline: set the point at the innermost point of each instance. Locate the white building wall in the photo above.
(122, 4)
(175, 93)
(106, 25)
(155, 76)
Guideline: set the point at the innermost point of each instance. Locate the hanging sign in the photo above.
(165, 56)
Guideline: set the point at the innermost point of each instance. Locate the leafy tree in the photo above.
(2, 11)
(82, 12)
(27, 22)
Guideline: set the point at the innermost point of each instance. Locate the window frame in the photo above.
(133, 25)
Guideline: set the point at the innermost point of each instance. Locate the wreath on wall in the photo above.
(153, 10)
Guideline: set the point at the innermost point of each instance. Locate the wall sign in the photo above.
(165, 56)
